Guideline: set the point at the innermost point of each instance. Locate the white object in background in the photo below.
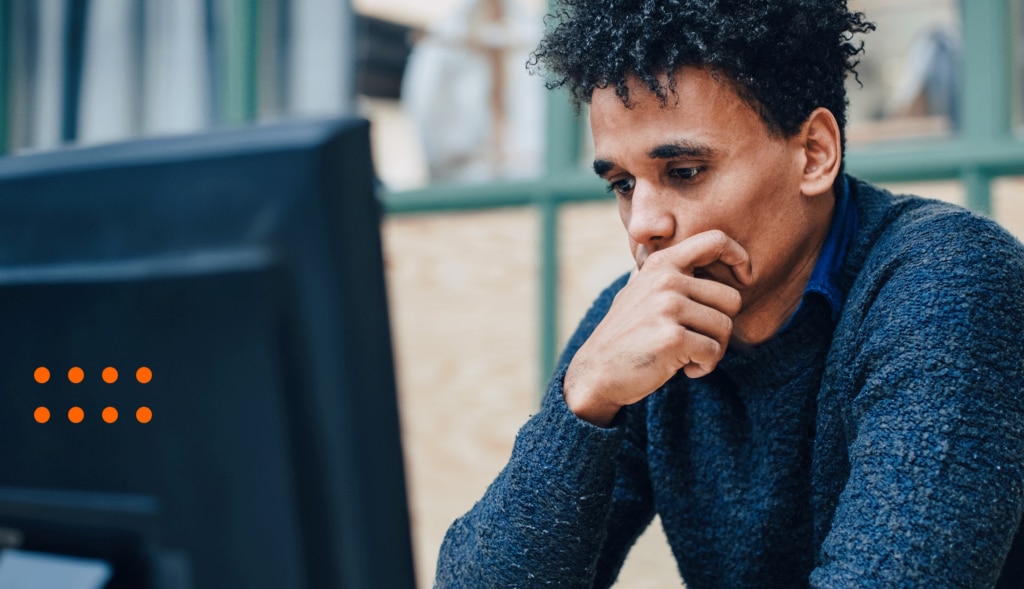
(478, 111)
(932, 72)
(21, 569)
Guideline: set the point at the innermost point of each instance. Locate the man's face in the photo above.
(706, 161)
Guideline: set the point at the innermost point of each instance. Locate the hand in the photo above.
(664, 320)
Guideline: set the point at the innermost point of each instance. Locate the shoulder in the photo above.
(932, 325)
(912, 242)
(935, 298)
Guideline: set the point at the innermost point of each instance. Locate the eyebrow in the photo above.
(681, 149)
(665, 151)
(602, 167)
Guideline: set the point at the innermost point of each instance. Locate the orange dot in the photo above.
(110, 415)
(143, 375)
(42, 414)
(144, 415)
(76, 415)
(76, 375)
(42, 375)
(110, 375)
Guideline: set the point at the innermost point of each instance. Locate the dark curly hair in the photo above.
(784, 57)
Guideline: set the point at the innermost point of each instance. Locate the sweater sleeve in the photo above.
(934, 416)
(567, 506)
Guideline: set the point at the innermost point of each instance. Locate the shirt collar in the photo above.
(824, 279)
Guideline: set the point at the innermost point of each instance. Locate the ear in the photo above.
(822, 150)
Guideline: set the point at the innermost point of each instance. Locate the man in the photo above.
(813, 382)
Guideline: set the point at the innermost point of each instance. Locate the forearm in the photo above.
(544, 518)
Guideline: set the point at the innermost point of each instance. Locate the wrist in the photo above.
(585, 402)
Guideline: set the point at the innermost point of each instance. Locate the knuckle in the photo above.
(724, 325)
(733, 301)
(708, 349)
(718, 238)
(676, 337)
(665, 281)
(654, 259)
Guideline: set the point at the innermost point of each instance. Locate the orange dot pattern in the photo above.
(76, 375)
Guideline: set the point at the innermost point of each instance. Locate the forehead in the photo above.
(702, 110)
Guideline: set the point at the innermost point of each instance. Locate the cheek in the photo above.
(624, 217)
(637, 250)
(760, 202)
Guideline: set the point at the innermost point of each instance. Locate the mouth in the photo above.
(718, 272)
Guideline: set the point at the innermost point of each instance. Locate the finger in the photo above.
(706, 291)
(697, 370)
(714, 294)
(704, 249)
(699, 349)
(704, 320)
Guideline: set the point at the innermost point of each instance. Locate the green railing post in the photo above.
(562, 152)
(549, 269)
(977, 185)
(987, 73)
(239, 96)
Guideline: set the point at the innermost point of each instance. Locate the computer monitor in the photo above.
(197, 383)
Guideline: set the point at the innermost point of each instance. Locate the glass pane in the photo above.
(910, 71)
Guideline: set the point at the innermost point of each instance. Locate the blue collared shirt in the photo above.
(824, 279)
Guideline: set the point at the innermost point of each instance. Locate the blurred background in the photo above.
(496, 235)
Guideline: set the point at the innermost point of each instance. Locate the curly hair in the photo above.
(784, 57)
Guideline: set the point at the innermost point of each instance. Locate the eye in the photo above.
(686, 173)
(622, 187)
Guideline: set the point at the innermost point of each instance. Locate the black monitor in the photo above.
(196, 376)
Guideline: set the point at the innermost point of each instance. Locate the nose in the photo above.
(649, 217)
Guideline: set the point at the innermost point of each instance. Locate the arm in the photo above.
(575, 494)
(935, 418)
(570, 492)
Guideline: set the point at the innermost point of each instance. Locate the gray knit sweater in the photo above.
(884, 450)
